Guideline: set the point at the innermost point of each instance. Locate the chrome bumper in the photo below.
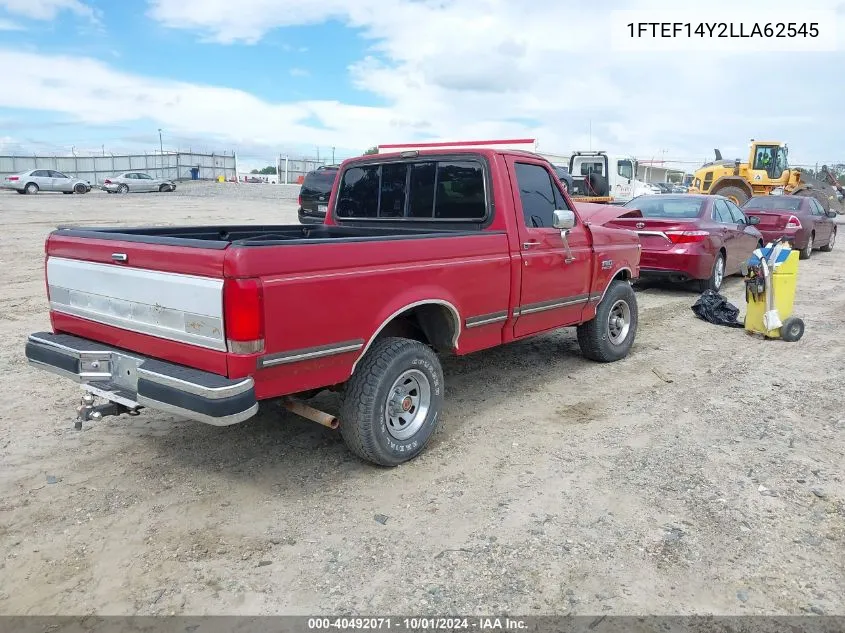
(136, 381)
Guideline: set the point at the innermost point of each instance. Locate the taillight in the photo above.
(12, 178)
(793, 223)
(299, 200)
(243, 309)
(686, 237)
(107, 181)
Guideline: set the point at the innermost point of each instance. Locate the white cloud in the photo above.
(46, 9)
(8, 25)
(462, 69)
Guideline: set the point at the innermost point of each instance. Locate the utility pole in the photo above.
(332, 154)
(161, 151)
(318, 153)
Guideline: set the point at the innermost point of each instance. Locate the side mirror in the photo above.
(564, 219)
(831, 214)
(752, 219)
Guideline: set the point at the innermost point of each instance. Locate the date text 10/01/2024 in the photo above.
(417, 624)
(723, 29)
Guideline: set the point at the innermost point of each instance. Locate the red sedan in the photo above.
(800, 219)
(690, 237)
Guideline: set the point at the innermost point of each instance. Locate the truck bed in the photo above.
(221, 236)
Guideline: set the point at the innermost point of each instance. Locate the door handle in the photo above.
(530, 244)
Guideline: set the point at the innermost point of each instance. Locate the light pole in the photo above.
(160, 146)
(161, 152)
(332, 155)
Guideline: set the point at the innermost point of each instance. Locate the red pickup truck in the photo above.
(422, 253)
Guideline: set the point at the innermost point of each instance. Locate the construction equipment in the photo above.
(770, 280)
(766, 172)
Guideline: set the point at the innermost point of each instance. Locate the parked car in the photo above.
(136, 182)
(691, 237)
(450, 251)
(800, 218)
(678, 188)
(664, 187)
(36, 180)
(314, 194)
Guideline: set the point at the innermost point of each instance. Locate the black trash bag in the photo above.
(714, 308)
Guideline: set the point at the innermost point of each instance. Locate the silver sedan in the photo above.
(136, 181)
(36, 180)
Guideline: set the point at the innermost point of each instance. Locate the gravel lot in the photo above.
(703, 474)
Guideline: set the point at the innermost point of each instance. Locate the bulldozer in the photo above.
(766, 172)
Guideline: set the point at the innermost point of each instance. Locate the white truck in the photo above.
(603, 178)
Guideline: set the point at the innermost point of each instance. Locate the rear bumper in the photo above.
(689, 265)
(310, 217)
(16, 185)
(798, 237)
(137, 381)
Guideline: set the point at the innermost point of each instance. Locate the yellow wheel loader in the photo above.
(766, 172)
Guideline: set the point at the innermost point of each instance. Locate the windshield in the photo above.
(666, 207)
(626, 169)
(773, 203)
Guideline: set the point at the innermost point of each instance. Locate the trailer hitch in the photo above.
(88, 411)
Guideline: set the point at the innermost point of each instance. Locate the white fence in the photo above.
(173, 165)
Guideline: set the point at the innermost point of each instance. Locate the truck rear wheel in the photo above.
(393, 402)
(610, 335)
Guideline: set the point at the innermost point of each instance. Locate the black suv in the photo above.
(314, 194)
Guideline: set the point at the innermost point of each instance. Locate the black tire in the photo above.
(807, 251)
(80, 188)
(713, 282)
(20, 191)
(365, 426)
(830, 243)
(792, 329)
(598, 185)
(67, 192)
(163, 188)
(124, 188)
(595, 337)
(736, 194)
(31, 188)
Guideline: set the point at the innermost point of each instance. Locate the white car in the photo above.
(36, 180)
(135, 181)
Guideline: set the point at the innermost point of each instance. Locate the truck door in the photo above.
(621, 178)
(555, 280)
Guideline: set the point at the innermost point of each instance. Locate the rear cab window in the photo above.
(426, 189)
(320, 180)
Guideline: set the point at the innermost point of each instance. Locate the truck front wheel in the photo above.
(393, 402)
(610, 335)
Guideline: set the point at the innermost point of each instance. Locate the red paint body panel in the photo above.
(164, 258)
(327, 293)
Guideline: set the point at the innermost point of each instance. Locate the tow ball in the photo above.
(88, 411)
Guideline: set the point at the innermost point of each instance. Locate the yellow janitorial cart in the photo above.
(771, 276)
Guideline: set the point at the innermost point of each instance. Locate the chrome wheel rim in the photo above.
(809, 248)
(619, 322)
(719, 272)
(408, 403)
(832, 240)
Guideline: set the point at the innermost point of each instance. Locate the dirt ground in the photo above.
(703, 474)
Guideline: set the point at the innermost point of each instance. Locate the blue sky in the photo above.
(270, 77)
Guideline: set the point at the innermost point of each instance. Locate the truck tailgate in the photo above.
(140, 295)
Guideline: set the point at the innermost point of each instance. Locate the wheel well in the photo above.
(434, 324)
